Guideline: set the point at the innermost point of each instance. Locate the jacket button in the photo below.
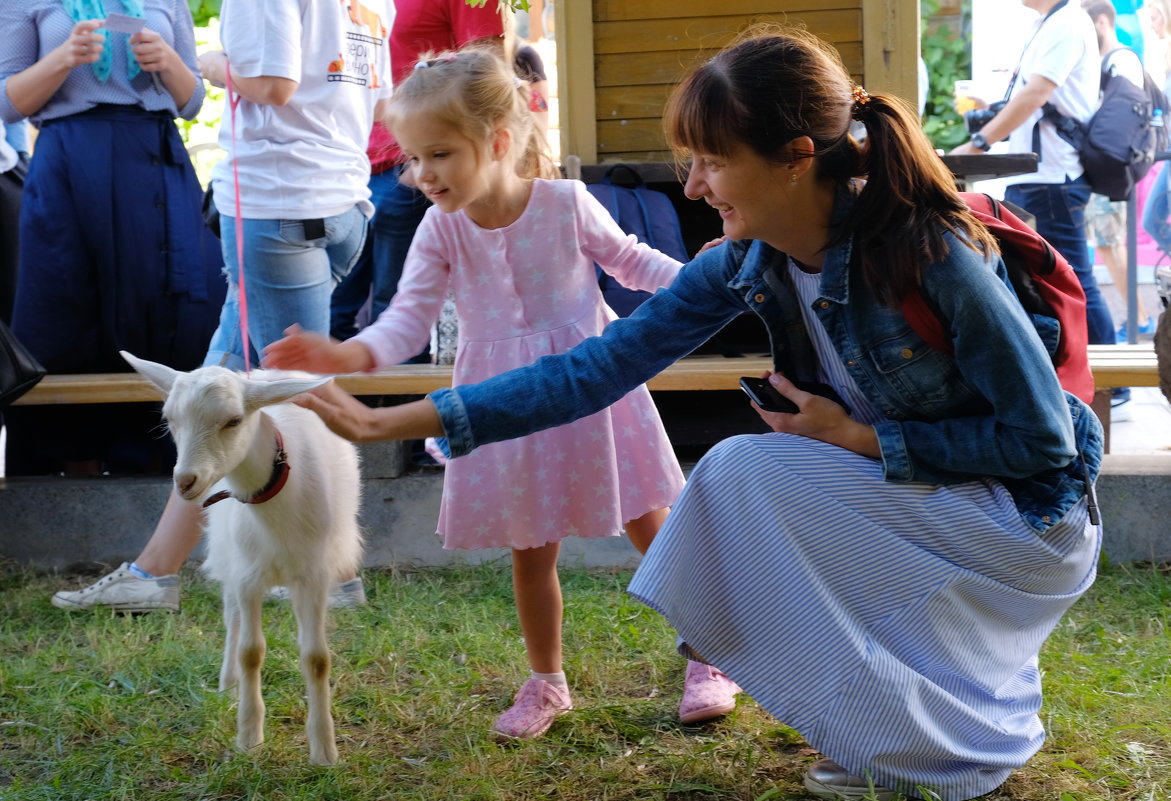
(1045, 518)
(759, 297)
(906, 353)
(824, 304)
(849, 362)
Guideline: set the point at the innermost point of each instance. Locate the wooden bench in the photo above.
(693, 373)
(1113, 366)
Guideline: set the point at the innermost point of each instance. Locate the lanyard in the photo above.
(233, 103)
(1025, 49)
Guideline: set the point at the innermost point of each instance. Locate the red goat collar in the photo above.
(276, 481)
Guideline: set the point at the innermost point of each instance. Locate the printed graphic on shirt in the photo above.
(365, 46)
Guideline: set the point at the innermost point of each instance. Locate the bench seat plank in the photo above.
(1113, 366)
(694, 373)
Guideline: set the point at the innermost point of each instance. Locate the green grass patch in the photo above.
(101, 706)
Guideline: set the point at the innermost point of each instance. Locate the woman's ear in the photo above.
(799, 157)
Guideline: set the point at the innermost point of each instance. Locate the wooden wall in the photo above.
(619, 59)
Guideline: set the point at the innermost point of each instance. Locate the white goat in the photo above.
(290, 518)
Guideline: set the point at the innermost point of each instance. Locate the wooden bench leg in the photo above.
(1101, 407)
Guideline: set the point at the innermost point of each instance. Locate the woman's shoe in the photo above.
(827, 779)
(536, 704)
(707, 694)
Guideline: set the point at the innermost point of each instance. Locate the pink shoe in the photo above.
(537, 702)
(707, 694)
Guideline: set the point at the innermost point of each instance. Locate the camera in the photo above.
(977, 118)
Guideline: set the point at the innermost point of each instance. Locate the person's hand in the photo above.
(152, 52)
(342, 413)
(83, 46)
(711, 244)
(966, 149)
(818, 418)
(213, 67)
(303, 350)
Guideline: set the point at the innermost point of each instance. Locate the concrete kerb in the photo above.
(58, 524)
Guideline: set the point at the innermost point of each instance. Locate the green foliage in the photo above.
(515, 5)
(948, 56)
(204, 10)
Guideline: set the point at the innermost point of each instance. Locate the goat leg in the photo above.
(229, 672)
(250, 712)
(309, 605)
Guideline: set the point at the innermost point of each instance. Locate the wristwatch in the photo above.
(980, 142)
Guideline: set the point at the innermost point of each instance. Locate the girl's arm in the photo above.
(404, 329)
(562, 388)
(634, 264)
(315, 353)
(30, 89)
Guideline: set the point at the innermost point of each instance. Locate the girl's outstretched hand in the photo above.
(303, 350)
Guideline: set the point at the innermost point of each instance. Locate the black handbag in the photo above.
(19, 369)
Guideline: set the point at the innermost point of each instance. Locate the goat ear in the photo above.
(160, 375)
(266, 393)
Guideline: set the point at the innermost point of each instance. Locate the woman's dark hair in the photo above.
(774, 85)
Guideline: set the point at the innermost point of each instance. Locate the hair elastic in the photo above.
(861, 100)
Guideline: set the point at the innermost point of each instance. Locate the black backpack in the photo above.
(1119, 143)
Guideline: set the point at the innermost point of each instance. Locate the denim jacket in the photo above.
(994, 409)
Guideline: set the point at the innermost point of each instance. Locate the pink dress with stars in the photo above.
(521, 292)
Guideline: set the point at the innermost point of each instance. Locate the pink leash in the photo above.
(233, 102)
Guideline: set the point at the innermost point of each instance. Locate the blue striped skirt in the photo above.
(895, 626)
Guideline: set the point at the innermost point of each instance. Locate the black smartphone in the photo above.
(765, 395)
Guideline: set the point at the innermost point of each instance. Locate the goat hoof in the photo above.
(247, 743)
(329, 757)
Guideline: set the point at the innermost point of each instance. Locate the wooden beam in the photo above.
(574, 26)
(890, 44)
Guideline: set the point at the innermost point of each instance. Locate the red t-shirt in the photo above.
(421, 26)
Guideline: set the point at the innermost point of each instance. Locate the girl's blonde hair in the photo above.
(476, 92)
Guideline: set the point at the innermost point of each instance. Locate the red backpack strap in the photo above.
(925, 322)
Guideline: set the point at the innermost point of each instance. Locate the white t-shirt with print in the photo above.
(306, 159)
(1065, 51)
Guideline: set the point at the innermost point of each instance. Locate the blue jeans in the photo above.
(398, 210)
(1061, 219)
(289, 279)
(1158, 209)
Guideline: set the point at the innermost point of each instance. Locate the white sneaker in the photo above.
(342, 595)
(125, 592)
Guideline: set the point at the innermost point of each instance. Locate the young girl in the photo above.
(519, 254)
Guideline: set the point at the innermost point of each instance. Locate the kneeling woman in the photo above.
(881, 579)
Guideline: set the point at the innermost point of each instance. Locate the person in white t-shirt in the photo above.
(1106, 219)
(1060, 65)
(309, 74)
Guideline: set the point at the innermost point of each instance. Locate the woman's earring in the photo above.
(793, 178)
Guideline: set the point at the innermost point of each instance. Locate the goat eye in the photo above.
(233, 422)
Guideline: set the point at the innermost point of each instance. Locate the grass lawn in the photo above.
(100, 706)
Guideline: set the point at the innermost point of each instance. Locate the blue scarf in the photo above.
(96, 9)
